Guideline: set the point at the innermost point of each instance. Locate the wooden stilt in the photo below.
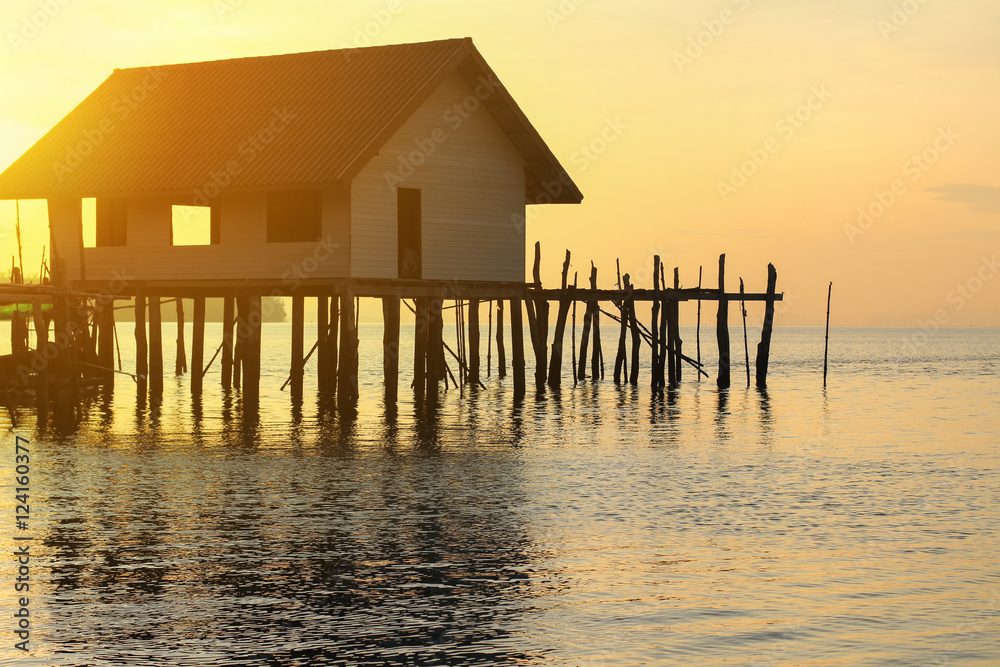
(538, 323)
(242, 331)
(390, 350)
(654, 328)
(106, 342)
(597, 356)
(621, 365)
(517, 344)
(746, 343)
(333, 348)
(298, 346)
(473, 351)
(697, 330)
(584, 343)
(676, 333)
(572, 337)
(322, 324)
(228, 323)
(435, 348)
(155, 346)
(347, 373)
(141, 348)
(764, 347)
(489, 339)
(722, 327)
(538, 343)
(501, 352)
(555, 366)
(636, 337)
(198, 346)
(64, 408)
(42, 375)
(826, 343)
(180, 358)
(251, 354)
(420, 328)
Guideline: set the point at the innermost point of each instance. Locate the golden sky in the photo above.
(855, 141)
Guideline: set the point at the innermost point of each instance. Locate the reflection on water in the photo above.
(601, 525)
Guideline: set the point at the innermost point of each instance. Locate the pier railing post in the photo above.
(764, 347)
(555, 365)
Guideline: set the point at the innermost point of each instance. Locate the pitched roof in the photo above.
(321, 115)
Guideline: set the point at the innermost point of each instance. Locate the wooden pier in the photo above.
(76, 340)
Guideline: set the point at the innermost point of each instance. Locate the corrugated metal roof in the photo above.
(270, 121)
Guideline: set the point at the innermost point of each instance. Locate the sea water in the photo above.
(855, 524)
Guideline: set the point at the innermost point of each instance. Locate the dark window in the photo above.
(294, 215)
(111, 221)
(409, 224)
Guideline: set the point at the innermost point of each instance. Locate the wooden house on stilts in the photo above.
(396, 172)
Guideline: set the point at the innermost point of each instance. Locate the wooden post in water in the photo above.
(501, 352)
(251, 353)
(597, 355)
(420, 329)
(242, 330)
(634, 325)
(180, 358)
(347, 373)
(141, 348)
(538, 324)
(198, 346)
(555, 365)
(654, 328)
(676, 333)
(764, 347)
(697, 331)
(746, 344)
(228, 322)
(572, 337)
(332, 347)
(155, 347)
(298, 346)
(826, 344)
(322, 350)
(390, 349)
(473, 351)
(722, 327)
(42, 375)
(435, 347)
(621, 366)
(106, 342)
(517, 345)
(585, 334)
(489, 339)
